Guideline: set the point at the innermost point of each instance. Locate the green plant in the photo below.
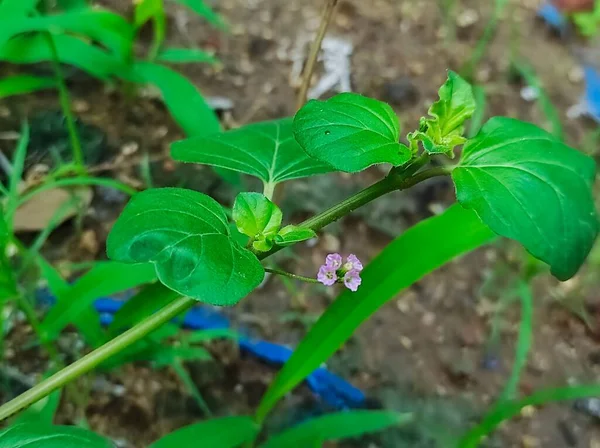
(513, 180)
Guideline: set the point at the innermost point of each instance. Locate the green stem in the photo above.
(269, 189)
(65, 104)
(88, 362)
(290, 275)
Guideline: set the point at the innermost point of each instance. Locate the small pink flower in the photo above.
(352, 280)
(353, 263)
(327, 275)
(333, 261)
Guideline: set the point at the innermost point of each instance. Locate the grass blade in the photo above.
(202, 9)
(399, 265)
(341, 425)
(21, 84)
(16, 175)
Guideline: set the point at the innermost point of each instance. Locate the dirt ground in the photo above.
(429, 350)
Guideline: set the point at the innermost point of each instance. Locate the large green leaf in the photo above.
(224, 432)
(266, 150)
(182, 98)
(20, 84)
(187, 236)
(107, 28)
(350, 132)
(16, 7)
(46, 436)
(403, 262)
(31, 49)
(341, 425)
(527, 185)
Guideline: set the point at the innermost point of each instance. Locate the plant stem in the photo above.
(65, 104)
(96, 357)
(91, 360)
(290, 275)
(328, 11)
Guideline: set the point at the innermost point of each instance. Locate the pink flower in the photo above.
(353, 263)
(352, 280)
(327, 275)
(333, 261)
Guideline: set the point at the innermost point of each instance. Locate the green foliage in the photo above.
(257, 217)
(341, 425)
(588, 22)
(187, 237)
(17, 8)
(16, 174)
(527, 185)
(47, 436)
(350, 132)
(398, 266)
(266, 150)
(42, 412)
(200, 8)
(224, 432)
(441, 133)
(20, 84)
(293, 234)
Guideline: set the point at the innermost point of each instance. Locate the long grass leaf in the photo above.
(21, 84)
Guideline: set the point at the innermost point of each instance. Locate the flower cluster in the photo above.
(334, 271)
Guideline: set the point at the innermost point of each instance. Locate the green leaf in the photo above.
(444, 131)
(42, 411)
(103, 280)
(146, 10)
(293, 234)
(21, 84)
(67, 5)
(224, 432)
(186, 235)
(399, 265)
(32, 49)
(200, 8)
(4, 232)
(340, 425)
(266, 150)
(182, 98)
(16, 175)
(17, 7)
(47, 436)
(257, 217)
(350, 132)
(527, 185)
(175, 55)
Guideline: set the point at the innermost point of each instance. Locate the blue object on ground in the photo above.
(553, 17)
(592, 91)
(332, 389)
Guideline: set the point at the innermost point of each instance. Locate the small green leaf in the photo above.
(527, 185)
(444, 131)
(42, 411)
(341, 425)
(224, 432)
(350, 132)
(186, 235)
(48, 436)
(203, 10)
(21, 84)
(293, 234)
(185, 56)
(4, 232)
(255, 215)
(266, 150)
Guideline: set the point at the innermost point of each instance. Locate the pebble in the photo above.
(576, 74)
(80, 106)
(129, 148)
(401, 92)
(530, 442)
(528, 411)
(467, 18)
(406, 342)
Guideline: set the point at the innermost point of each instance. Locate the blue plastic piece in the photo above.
(332, 389)
(592, 91)
(552, 16)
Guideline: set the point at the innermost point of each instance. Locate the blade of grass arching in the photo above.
(153, 10)
(22, 84)
(548, 109)
(479, 115)
(16, 175)
(203, 10)
(16, 8)
(511, 409)
(189, 384)
(399, 265)
(337, 426)
(523, 343)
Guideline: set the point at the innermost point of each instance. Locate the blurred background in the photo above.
(442, 349)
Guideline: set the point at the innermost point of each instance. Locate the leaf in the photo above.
(47, 436)
(145, 10)
(200, 8)
(399, 265)
(20, 84)
(175, 55)
(529, 186)
(107, 28)
(32, 49)
(340, 425)
(444, 131)
(293, 234)
(67, 5)
(186, 235)
(257, 217)
(224, 432)
(16, 175)
(17, 8)
(266, 150)
(350, 132)
(4, 232)
(103, 280)
(182, 98)
(42, 411)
